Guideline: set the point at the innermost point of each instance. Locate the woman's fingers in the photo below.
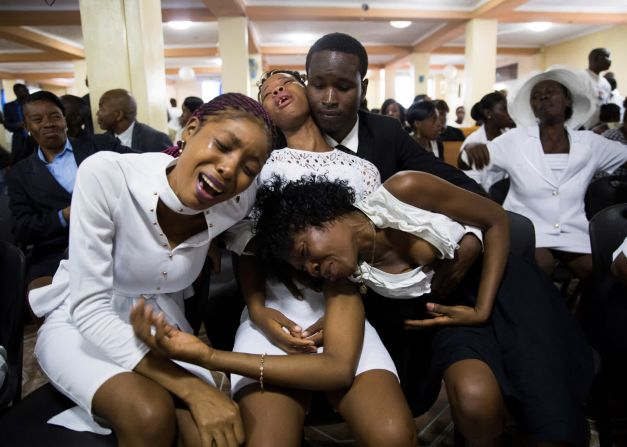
(419, 324)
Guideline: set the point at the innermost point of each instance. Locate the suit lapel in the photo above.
(44, 182)
(366, 147)
(534, 156)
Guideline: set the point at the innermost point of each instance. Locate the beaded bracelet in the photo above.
(263, 357)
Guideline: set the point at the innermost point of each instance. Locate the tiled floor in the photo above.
(435, 428)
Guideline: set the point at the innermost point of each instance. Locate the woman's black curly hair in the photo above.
(283, 208)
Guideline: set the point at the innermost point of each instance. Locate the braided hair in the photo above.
(231, 105)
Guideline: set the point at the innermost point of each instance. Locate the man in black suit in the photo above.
(117, 113)
(336, 68)
(14, 122)
(40, 186)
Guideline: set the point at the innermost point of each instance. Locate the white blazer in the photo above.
(555, 206)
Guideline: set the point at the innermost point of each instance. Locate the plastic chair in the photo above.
(24, 423)
(12, 289)
(6, 221)
(604, 312)
(604, 192)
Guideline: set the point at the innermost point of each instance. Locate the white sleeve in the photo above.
(469, 229)
(622, 249)
(99, 182)
(610, 154)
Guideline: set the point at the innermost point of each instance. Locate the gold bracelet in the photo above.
(263, 358)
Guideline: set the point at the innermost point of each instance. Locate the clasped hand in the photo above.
(448, 316)
(286, 334)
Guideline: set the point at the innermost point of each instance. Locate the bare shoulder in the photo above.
(407, 186)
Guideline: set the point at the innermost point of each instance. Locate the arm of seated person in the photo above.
(331, 370)
(279, 329)
(478, 155)
(450, 272)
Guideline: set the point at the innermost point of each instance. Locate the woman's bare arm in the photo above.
(433, 194)
(330, 370)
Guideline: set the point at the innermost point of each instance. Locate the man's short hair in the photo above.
(342, 43)
(43, 95)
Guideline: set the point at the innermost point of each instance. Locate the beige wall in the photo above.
(575, 52)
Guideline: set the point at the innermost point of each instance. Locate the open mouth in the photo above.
(210, 186)
(282, 100)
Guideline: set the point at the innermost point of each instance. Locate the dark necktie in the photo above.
(343, 148)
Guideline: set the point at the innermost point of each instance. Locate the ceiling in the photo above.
(38, 42)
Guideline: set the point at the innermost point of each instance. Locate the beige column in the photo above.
(124, 49)
(233, 44)
(373, 94)
(480, 68)
(419, 63)
(7, 86)
(390, 83)
(80, 74)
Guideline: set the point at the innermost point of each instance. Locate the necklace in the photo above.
(363, 288)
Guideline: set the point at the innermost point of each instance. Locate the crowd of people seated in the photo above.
(373, 267)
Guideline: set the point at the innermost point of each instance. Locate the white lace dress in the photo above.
(292, 164)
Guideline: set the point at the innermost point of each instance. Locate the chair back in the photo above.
(608, 229)
(498, 191)
(604, 192)
(451, 151)
(12, 306)
(522, 236)
(6, 222)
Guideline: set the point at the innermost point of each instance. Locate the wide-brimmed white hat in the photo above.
(578, 84)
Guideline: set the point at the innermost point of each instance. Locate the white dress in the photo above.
(482, 176)
(292, 164)
(554, 205)
(118, 253)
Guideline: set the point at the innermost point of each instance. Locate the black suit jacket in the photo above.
(147, 139)
(11, 120)
(35, 197)
(452, 134)
(383, 142)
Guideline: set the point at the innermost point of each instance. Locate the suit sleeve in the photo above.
(162, 141)
(11, 118)
(411, 156)
(32, 225)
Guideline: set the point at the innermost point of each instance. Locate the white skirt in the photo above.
(76, 367)
(249, 339)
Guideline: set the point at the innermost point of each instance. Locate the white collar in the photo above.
(126, 137)
(167, 195)
(350, 141)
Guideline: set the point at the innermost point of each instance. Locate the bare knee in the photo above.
(545, 260)
(139, 410)
(393, 433)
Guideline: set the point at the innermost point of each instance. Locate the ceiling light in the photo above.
(301, 38)
(187, 74)
(538, 27)
(400, 24)
(180, 24)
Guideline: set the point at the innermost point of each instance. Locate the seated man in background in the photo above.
(117, 114)
(40, 186)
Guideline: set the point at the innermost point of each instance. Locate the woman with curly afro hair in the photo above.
(514, 338)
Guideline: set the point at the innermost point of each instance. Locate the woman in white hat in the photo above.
(550, 165)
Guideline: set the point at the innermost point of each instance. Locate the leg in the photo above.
(545, 260)
(580, 264)
(140, 411)
(376, 410)
(476, 401)
(273, 417)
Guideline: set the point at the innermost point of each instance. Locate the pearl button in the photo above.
(555, 192)
(556, 225)
(164, 245)
(152, 210)
(210, 225)
(155, 193)
(180, 210)
(154, 223)
(170, 255)
(164, 273)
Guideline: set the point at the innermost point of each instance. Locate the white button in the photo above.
(210, 225)
(152, 210)
(164, 244)
(207, 212)
(155, 193)
(164, 273)
(556, 225)
(170, 255)
(556, 192)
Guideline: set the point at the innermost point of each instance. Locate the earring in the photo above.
(181, 145)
